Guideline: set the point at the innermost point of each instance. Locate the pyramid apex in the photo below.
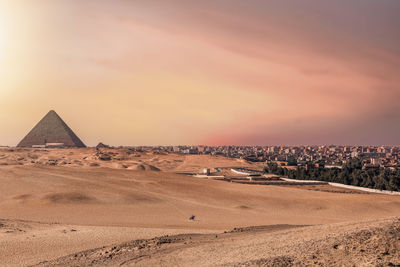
(52, 112)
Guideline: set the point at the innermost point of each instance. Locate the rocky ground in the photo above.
(357, 244)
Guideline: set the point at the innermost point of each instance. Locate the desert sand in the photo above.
(112, 206)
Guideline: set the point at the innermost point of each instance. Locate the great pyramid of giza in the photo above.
(51, 129)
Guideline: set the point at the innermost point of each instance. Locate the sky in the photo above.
(212, 72)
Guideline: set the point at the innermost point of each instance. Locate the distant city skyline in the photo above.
(169, 72)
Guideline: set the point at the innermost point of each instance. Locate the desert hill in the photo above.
(49, 209)
(103, 196)
(123, 158)
(372, 243)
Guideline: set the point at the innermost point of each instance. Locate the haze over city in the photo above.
(203, 72)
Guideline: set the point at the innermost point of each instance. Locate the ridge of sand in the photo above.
(122, 158)
(26, 242)
(347, 244)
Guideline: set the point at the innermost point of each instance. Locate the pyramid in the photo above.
(51, 129)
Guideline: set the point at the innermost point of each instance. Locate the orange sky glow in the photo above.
(168, 72)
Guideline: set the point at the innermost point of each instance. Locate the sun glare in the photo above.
(3, 50)
(2, 45)
(4, 32)
(5, 14)
(2, 37)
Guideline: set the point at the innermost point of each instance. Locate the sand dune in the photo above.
(143, 167)
(372, 243)
(108, 205)
(102, 196)
(24, 243)
(68, 198)
(115, 158)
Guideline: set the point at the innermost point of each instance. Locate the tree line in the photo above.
(351, 173)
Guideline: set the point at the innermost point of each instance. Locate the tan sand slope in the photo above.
(109, 197)
(374, 243)
(25, 243)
